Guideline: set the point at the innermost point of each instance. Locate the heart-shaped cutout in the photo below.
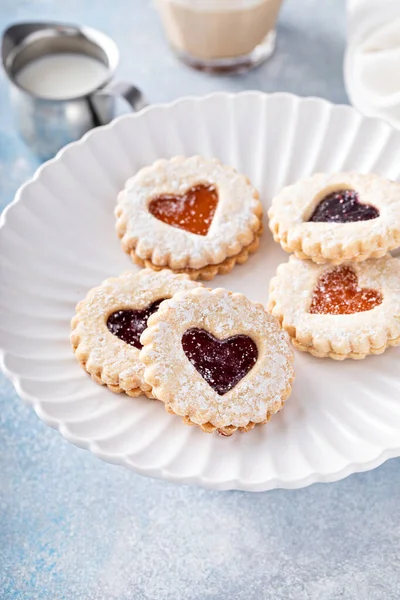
(128, 325)
(343, 206)
(222, 363)
(337, 293)
(192, 211)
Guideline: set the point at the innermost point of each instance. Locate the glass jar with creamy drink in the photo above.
(221, 35)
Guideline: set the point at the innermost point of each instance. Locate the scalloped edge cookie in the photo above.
(109, 360)
(336, 243)
(344, 336)
(232, 234)
(177, 383)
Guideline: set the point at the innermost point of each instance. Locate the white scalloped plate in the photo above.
(57, 241)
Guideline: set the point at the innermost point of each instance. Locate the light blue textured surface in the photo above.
(74, 528)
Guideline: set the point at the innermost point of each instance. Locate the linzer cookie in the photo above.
(192, 215)
(345, 311)
(336, 218)
(217, 360)
(108, 323)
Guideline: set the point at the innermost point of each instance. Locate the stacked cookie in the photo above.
(338, 296)
(214, 358)
(190, 215)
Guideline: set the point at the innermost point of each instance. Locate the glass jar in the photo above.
(221, 35)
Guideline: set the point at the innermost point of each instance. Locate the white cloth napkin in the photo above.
(372, 63)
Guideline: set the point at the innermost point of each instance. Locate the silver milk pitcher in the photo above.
(47, 124)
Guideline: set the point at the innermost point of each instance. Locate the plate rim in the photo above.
(162, 472)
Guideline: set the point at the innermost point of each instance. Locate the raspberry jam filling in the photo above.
(222, 363)
(343, 206)
(128, 325)
(337, 293)
(192, 211)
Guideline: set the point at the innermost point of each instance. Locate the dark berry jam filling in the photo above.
(222, 363)
(343, 206)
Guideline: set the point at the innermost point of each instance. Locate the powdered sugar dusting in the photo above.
(292, 208)
(337, 292)
(193, 211)
(233, 226)
(222, 363)
(291, 297)
(222, 314)
(102, 353)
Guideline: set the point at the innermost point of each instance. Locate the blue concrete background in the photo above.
(74, 528)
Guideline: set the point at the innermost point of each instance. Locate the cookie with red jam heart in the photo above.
(108, 323)
(218, 360)
(336, 218)
(339, 311)
(192, 215)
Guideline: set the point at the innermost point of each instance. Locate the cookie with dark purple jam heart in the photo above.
(337, 218)
(109, 322)
(217, 360)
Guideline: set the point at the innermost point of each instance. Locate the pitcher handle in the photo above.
(125, 90)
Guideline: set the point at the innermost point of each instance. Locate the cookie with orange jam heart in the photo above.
(218, 360)
(338, 217)
(192, 215)
(343, 311)
(108, 323)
